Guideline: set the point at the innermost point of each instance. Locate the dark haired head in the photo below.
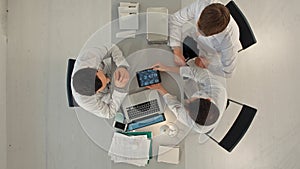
(213, 19)
(85, 81)
(203, 111)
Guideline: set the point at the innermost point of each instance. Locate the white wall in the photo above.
(3, 54)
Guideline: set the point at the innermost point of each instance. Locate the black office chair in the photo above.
(247, 37)
(71, 100)
(238, 128)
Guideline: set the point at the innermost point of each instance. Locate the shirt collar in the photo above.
(220, 36)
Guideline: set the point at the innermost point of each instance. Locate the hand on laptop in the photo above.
(159, 88)
(121, 77)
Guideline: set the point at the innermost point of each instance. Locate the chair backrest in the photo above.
(71, 101)
(247, 37)
(238, 128)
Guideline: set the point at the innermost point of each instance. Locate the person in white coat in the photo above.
(205, 95)
(215, 33)
(91, 78)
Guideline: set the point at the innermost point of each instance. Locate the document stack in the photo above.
(128, 15)
(132, 148)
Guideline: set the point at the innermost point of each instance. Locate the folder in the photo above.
(130, 149)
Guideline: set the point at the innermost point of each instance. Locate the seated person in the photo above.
(206, 97)
(214, 37)
(91, 78)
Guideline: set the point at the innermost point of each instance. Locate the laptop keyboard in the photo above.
(143, 109)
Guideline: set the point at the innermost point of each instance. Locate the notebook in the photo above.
(141, 105)
(168, 154)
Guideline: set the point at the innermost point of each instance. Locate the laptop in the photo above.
(142, 105)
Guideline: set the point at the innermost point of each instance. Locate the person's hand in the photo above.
(121, 77)
(179, 60)
(161, 67)
(178, 57)
(158, 87)
(164, 68)
(201, 62)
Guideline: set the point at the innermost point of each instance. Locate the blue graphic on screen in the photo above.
(148, 77)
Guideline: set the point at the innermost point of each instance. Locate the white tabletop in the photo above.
(101, 131)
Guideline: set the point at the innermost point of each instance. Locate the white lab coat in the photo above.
(205, 85)
(220, 49)
(106, 103)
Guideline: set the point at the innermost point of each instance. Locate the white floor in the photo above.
(43, 133)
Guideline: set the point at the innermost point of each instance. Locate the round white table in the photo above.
(101, 131)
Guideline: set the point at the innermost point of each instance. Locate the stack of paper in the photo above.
(128, 15)
(130, 149)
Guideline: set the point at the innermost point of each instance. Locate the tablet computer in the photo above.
(148, 77)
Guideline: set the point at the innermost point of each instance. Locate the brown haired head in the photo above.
(213, 19)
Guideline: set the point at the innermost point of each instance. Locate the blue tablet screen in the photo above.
(148, 77)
